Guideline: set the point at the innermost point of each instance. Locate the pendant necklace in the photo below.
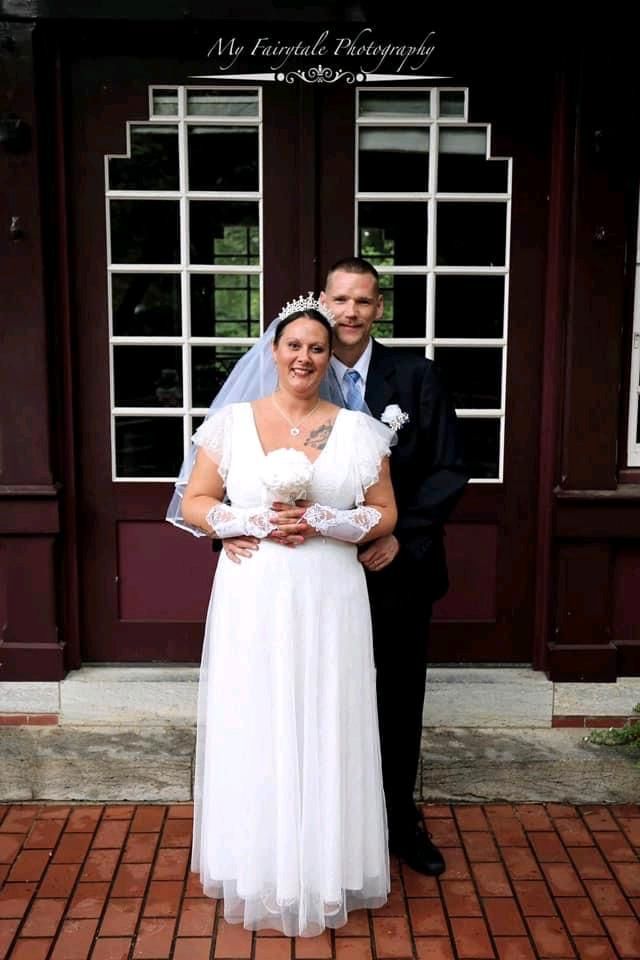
(294, 428)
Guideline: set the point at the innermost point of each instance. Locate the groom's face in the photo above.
(355, 301)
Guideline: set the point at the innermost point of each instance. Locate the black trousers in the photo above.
(401, 614)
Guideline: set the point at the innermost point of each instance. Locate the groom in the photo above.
(406, 571)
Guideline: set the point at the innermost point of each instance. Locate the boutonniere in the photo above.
(394, 417)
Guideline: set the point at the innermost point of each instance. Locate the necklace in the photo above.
(295, 427)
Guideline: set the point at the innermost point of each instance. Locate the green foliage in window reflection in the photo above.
(239, 245)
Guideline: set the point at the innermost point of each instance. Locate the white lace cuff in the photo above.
(348, 525)
(228, 521)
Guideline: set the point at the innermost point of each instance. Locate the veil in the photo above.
(254, 376)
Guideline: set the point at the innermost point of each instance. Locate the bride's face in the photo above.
(302, 355)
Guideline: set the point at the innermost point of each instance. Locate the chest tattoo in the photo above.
(319, 435)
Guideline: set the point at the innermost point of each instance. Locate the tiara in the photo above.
(305, 303)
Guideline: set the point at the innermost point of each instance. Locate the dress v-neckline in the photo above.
(266, 453)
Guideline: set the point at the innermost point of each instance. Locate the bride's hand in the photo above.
(288, 519)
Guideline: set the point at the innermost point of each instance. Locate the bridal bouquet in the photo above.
(286, 475)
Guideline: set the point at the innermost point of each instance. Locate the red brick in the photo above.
(550, 937)
(457, 866)
(597, 818)
(427, 917)
(31, 950)
(480, 847)
(8, 930)
(392, 937)
(514, 948)
(509, 833)
(111, 834)
(431, 811)
(472, 938)
(594, 948)
(491, 880)
(72, 848)
(356, 926)
(99, 865)
(154, 939)
(171, 864)
(548, 848)
(197, 918)
(460, 898)
(628, 875)
(88, 900)
(625, 933)
(19, 819)
(75, 940)
(319, 946)
(10, 844)
(131, 880)
(631, 826)
(44, 835)
(148, 819)
(197, 949)
(434, 948)
(561, 810)
(4, 870)
(119, 811)
(496, 812)
(563, 880)
(589, 863)
(59, 880)
(417, 885)
(29, 865)
(573, 833)
(352, 948)
(193, 887)
(444, 833)
(471, 818)
(43, 918)
(396, 905)
(625, 810)
(608, 898)
(614, 847)
(120, 917)
(114, 949)
(180, 811)
(140, 848)
(83, 820)
(533, 816)
(580, 917)
(14, 899)
(177, 833)
(521, 864)
(635, 903)
(503, 918)
(232, 940)
(534, 898)
(163, 898)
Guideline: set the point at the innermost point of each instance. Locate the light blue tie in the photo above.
(353, 390)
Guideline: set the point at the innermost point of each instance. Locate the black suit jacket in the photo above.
(427, 466)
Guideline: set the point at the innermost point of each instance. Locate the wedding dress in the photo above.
(290, 824)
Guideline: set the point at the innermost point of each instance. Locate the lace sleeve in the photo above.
(214, 437)
(371, 444)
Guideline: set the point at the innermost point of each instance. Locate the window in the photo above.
(633, 442)
(184, 254)
(433, 212)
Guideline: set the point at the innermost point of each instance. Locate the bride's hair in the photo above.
(311, 314)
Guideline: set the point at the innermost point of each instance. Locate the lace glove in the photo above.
(228, 521)
(349, 525)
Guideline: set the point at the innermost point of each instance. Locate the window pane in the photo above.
(225, 305)
(223, 158)
(452, 103)
(147, 376)
(405, 307)
(481, 444)
(472, 234)
(148, 446)
(473, 375)
(393, 158)
(393, 233)
(210, 367)
(469, 306)
(227, 103)
(462, 163)
(165, 103)
(146, 305)
(144, 231)
(153, 164)
(381, 104)
(224, 232)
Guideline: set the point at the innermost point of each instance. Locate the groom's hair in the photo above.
(354, 265)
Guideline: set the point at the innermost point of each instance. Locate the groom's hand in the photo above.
(380, 553)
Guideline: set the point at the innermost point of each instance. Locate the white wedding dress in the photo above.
(290, 823)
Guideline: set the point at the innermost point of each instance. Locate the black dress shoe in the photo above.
(417, 850)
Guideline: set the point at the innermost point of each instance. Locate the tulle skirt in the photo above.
(290, 824)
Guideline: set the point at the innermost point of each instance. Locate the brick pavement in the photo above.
(524, 881)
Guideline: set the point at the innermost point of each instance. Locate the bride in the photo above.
(290, 824)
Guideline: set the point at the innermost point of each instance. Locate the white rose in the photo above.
(394, 417)
(286, 475)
